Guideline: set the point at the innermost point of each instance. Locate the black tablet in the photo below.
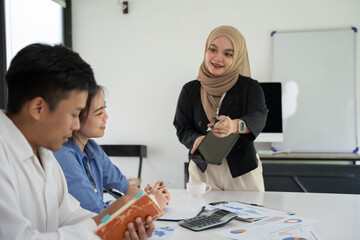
(213, 149)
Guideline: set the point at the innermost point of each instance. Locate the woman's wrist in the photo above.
(240, 126)
(235, 124)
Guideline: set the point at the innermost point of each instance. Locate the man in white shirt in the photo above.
(47, 88)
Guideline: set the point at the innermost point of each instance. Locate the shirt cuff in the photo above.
(88, 227)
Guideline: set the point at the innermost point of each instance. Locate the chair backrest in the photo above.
(125, 150)
(321, 178)
(114, 150)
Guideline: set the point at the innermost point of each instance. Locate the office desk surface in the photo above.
(339, 214)
(312, 156)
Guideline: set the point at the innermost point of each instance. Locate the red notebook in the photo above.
(143, 205)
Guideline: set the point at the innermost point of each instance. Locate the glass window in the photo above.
(31, 21)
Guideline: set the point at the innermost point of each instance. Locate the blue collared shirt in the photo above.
(104, 173)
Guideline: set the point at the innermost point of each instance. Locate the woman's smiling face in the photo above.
(219, 56)
(94, 126)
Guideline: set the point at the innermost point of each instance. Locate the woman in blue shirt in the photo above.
(87, 168)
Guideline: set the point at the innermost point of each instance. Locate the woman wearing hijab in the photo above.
(224, 88)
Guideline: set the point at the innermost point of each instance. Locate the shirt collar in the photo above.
(14, 138)
(88, 146)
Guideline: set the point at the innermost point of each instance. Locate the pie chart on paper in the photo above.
(237, 231)
(293, 221)
(295, 238)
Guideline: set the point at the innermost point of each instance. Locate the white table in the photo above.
(339, 214)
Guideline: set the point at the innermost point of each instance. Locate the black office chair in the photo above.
(128, 151)
(321, 178)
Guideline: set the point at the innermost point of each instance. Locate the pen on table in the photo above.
(216, 203)
(201, 210)
(161, 186)
(221, 120)
(259, 205)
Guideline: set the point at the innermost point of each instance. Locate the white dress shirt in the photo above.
(34, 200)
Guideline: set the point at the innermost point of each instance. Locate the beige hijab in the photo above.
(215, 86)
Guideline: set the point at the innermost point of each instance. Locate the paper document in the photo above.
(304, 232)
(177, 213)
(247, 212)
(163, 233)
(273, 226)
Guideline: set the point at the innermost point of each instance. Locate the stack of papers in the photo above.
(274, 228)
(247, 212)
(265, 223)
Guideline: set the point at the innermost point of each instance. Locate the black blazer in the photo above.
(244, 100)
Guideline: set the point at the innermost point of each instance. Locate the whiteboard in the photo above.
(317, 72)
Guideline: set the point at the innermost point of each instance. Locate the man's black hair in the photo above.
(50, 72)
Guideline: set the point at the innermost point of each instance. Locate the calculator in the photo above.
(214, 218)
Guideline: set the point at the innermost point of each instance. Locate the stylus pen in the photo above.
(114, 191)
(159, 187)
(220, 121)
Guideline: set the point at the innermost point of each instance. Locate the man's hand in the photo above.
(143, 231)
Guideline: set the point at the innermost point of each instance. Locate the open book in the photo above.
(114, 226)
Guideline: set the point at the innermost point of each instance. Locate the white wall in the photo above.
(143, 58)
